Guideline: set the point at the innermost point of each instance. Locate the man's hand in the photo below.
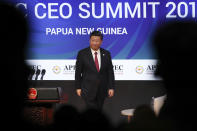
(111, 92)
(78, 92)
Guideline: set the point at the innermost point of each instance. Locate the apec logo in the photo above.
(69, 69)
(139, 69)
(118, 69)
(149, 69)
(56, 69)
(35, 67)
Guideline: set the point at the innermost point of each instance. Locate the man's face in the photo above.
(95, 42)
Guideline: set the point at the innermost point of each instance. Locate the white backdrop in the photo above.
(123, 69)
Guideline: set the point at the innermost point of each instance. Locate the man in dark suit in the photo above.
(94, 75)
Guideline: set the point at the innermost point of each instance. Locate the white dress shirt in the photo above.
(98, 56)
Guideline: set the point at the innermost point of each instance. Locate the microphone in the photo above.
(32, 72)
(43, 73)
(37, 74)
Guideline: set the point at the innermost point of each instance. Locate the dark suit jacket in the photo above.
(89, 79)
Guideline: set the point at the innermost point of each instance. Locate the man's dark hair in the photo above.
(97, 33)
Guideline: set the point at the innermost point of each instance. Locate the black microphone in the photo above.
(37, 74)
(32, 72)
(43, 73)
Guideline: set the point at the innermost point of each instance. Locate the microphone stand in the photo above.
(32, 72)
(42, 74)
(36, 78)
